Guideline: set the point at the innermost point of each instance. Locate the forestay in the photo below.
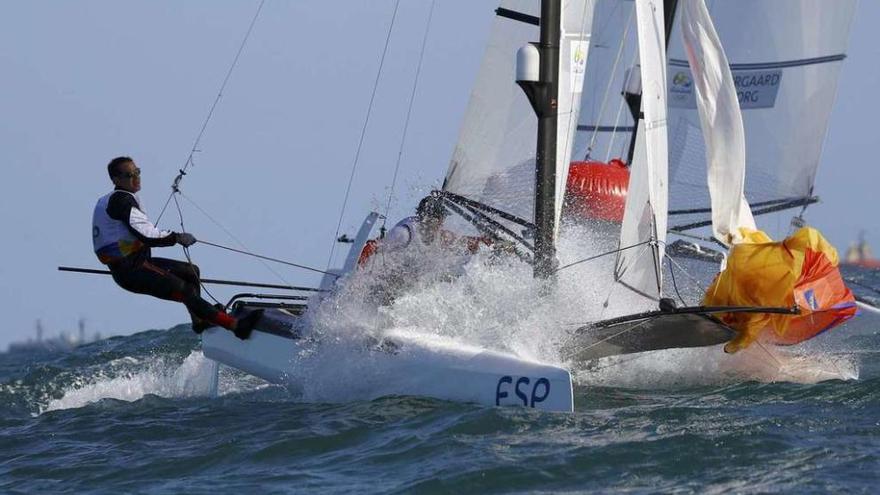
(785, 57)
(644, 219)
(494, 159)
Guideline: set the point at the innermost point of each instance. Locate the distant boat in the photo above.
(63, 342)
(859, 254)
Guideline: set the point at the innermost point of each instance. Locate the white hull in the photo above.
(411, 364)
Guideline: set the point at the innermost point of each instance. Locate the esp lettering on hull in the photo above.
(523, 391)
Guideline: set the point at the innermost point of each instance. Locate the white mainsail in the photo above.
(721, 120)
(644, 219)
(606, 126)
(785, 57)
(494, 159)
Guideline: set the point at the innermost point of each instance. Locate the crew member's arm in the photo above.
(123, 207)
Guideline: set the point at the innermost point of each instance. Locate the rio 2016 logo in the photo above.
(682, 81)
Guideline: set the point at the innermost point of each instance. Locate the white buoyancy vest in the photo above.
(403, 234)
(111, 238)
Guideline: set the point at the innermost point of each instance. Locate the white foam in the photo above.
(191, 378)
(711, 366)
(498, 305)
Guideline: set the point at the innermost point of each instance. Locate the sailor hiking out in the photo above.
(123, 236)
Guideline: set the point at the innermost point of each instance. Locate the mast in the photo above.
(634, 100)
(543, 94)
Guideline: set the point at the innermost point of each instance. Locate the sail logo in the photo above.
(681, 90)
(754, 88)
(812, 302)
(682, 81)
(578, 63)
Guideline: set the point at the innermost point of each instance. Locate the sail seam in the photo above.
(772, 65)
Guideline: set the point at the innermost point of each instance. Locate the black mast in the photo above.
(633, 100)
(544, 97)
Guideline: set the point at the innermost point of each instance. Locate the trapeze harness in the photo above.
(122, 236)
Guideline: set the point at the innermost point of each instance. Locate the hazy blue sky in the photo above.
(85, 81)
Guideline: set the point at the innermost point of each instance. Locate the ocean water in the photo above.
(133, 414)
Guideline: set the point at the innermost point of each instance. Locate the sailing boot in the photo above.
(199, 325)
(245, 325)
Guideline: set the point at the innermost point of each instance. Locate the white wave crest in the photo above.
(193, 377)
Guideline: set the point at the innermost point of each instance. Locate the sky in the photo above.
(82, 82)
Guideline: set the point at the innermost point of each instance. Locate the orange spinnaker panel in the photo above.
(801, 270)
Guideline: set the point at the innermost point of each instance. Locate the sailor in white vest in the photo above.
(122, 236)
(416, 246)
(426, 228)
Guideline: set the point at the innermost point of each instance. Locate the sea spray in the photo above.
(492, 301)
(130, 379)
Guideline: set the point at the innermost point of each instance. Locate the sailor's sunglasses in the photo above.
(130, 175)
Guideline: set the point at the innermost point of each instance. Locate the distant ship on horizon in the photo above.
(859, 254)
(63, 342)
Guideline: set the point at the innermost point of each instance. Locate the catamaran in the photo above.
(510, 185)
(425, 364)
(760, 151)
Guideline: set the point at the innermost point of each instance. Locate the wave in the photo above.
(163, 363)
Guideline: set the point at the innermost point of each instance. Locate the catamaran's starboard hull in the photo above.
(413, 364)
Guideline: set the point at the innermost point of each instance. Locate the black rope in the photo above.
(412, 98)
(591, 258)
(267, 258)
(189, 159)
(363, 133)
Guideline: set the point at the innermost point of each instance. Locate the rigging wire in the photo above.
(233, 237)
(363, 133)
(192, 266)
(620, 275)
(617, 116)
(611, 77)
(683, 270)
(412, 97)
(189, 159)
(674, 284)
(618, 334)
(268, 258)
(591, 258)
(573, 90)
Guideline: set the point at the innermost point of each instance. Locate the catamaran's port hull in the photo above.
(410, 364)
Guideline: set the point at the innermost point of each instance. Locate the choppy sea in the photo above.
(132, 415)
